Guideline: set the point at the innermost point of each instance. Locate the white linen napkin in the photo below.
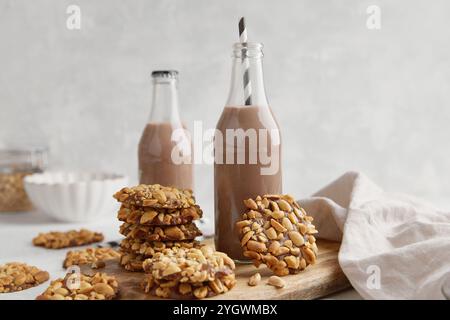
(393, 246)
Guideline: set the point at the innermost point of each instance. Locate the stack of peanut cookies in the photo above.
(155, 218)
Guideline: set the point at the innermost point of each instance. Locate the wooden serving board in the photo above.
(319, 280)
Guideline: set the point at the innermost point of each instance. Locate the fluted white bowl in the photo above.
(74, 197)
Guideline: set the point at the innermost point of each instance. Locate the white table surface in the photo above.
(18, 229)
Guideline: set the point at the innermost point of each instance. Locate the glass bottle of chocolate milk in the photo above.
(165, 148)
(247, 148)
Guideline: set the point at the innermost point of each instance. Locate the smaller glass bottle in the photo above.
(165, 148)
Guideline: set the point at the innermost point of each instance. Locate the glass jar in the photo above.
(15, 164)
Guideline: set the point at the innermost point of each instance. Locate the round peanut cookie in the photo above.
(155, 196)
(148, 249)
(71, 238)
(189, 273)
(15, 276)
(188, 264)
(99, 286)
(159, 217)
(89, 255)
(134, 252)
(276, 231)
(187, 291)
(160, 233)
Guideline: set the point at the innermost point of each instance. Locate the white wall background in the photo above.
(347, 98)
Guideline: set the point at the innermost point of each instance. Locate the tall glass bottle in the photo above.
(247, 148)
(165, 148)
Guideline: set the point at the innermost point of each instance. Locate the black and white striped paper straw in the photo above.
(245, 64)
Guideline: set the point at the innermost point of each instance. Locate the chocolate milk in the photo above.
(234, 183)
(155, 157)
(165, 148)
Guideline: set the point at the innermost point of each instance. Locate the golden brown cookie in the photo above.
(134, 252)
(148, 249)
(89, 256)
(160, 233)
(155, 196)
(189, 265)
(72, 238)
(159, 217)
(15, 276)
(100, 286)
(276, 231)
(185, 290)
(188, 273)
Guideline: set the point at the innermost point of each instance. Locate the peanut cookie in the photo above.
(276, 231)
(15, 276)
(148, 249)
(152, 216)
(155, 196)
(185, 290)
(157, 233)
(134, 252)
(100, 286)
(89, 255)
(188, 273)
(188, 265)
(72, 238)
